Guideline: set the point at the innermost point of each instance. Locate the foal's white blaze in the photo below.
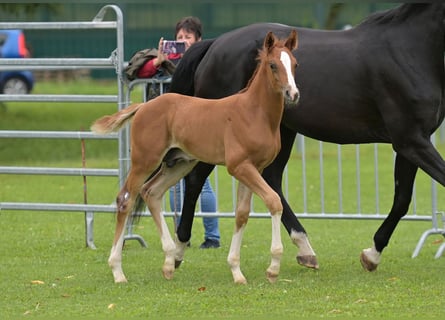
(293, 91)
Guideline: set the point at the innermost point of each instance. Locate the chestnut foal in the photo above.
(171, 133)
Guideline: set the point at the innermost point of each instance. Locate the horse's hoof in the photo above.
(119, 277)
(177, 263)
(238, 276)
(167, 273)
(367, 264)
(272, 277)
(240, 281)
(121, 280)
(308, 261)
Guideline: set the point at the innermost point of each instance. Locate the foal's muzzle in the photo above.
(292, 96)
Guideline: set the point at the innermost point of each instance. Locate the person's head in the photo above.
(189, 30)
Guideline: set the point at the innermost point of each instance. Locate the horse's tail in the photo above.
(183, 78)
(115, 121)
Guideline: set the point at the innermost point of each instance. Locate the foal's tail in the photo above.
(115, 121)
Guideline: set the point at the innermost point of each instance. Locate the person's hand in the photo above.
(161, 55)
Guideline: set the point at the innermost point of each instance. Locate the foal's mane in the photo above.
(262, 54)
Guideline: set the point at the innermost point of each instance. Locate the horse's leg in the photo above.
(241, 217)
(152, 193)
(418, 149)
(249, 175)
(414, 150)
(124, 202)
(404, 175)
(273, 174)
(193, 185)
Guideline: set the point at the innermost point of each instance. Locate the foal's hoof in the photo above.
(272, 277)
(168, 273)
(121, 280)
(367, 264)
(308, 261)
(177, 263)
(240, 280)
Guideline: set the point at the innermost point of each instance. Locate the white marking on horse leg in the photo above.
(306, 256)
(276, 249)
(373, 254)
(169, 248)
(233, 258)
(115, 259)
(370, 258)
(168, 245)
(301, 240)
(179, 252)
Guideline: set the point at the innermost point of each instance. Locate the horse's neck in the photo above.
(263, 96)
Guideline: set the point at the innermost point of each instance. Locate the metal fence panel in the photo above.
(114, 62)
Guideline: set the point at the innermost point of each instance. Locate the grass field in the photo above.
(46, 271)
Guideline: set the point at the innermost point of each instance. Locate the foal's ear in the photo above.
(292, 40)
(269, 41)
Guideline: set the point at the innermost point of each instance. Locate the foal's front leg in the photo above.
(241, 218)
(251, 177)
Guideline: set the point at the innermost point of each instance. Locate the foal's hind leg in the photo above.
(124, 202)
(152, 193)
(193, 186)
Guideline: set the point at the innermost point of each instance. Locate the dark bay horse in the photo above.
(171, 133)
(382, 81)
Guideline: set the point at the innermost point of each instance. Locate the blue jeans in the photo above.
(208, 204)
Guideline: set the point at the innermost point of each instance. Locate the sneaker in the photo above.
(209, 243)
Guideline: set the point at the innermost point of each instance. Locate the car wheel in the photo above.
(15, 85)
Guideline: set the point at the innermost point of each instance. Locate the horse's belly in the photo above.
(203, 148)
(336, 122)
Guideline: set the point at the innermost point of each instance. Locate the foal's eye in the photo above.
(273, 66)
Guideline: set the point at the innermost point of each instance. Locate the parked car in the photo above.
(13, 45)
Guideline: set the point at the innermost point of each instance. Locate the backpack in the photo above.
(140, 57)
